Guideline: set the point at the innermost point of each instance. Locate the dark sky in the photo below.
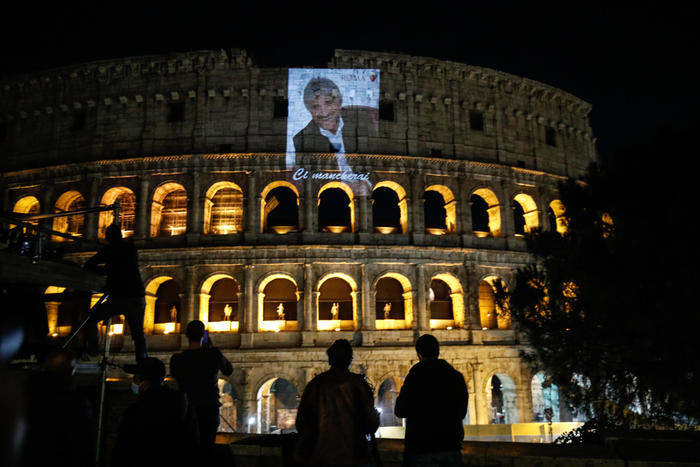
(634, 64)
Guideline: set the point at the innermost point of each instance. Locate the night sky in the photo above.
(635, 64)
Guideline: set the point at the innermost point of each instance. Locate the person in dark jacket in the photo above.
(196, 371)
(336, 414)
(433, 400)
(160, 427)
(126, 294)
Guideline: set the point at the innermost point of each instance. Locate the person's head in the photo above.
(340, 354)
(148, 373)
(323, 99)
(427, 347)
(195, 331)
(113, 233)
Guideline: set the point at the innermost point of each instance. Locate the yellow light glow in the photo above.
(116, 329)
(222, 326)
(169, 327)
(333, 324)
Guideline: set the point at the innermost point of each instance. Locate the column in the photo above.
(92, 220)
(143, 227)
(252, 206)
(370, 318)
(248, 316)
(423, 323)
(194, 206)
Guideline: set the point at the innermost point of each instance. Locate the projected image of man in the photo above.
(332, 128)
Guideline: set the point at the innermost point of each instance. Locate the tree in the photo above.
(608, 306)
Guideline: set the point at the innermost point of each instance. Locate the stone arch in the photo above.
(169, 210)
(149, 319)
(278, 307)
(277, 400)
(558, 220)
(269, 206)
(127, 211)
(223, 209)
(501, 399)
(545, 395)
(395, 321)
(484, 199)
(210, 309)
(229, 407)
(491, 315)
(326, 303)
(456, 302)
(402, 205)
(71, 200)
(386, 392)
(449, 204)
(530, 213)
(27, 205)
(325, 205)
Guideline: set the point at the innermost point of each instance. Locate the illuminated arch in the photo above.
(558, 210)
(351, 205)
(152, 287)
(279, 319)
(27, 205)
(52, 312)
(324, 307)
(490, 313)
(402, 203)
(493, 210)
(280, 393)
(127, 211)
(457, 302)
(169, 210)
(205, 302)
(223, 209)
(266, 207)
(74, 225)
(450, 206)
(407, 296)
(501, 399)
(387, 391)
(530, 212)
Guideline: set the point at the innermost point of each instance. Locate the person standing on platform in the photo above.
(126, 294)
(336, 415)
(433, 400)
(196, 371)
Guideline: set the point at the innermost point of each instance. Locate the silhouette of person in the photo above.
(125, 289)
(160, 427)
(433, 400)
(60, 422)
(196, 371)
(336, 414)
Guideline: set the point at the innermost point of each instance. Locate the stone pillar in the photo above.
(143, 227)
(92, 220)
(370, 318)
(525, 412)
(52, 316)
(310, 209)
(504, 198)
(195, 209)
(247, 324)
(246, 406)
(189, 304)
(309, 325)
(416, 203)
(422, 321)
(252, 206)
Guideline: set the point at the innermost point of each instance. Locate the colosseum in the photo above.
(281, 247)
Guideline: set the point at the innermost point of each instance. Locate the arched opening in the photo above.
(502, 399)
(336, 305)
(393, 302)
(439, 210)
(386, 400)
(441, 302)
(278, 304)
(74, 225)
(127, 211)
(228, 410)
(486, 213)
(280, 208)
(336, 212)
(525, 214)
(223, 209)
(545, 399)
(386, 212)
(219, 303)
(277, 403)
(557, 217)
(492, 316)
(166, 313)
(169, 211)
(446, 302)
(27, 205)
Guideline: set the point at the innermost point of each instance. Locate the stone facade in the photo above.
(104, 126)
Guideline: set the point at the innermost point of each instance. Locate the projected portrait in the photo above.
(331, 111)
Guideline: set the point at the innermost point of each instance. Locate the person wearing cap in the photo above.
(196, 371)
(160, 427)
(433, 400)
(336, 414)
(126, 293)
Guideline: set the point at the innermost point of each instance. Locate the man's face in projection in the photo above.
(325, 111)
